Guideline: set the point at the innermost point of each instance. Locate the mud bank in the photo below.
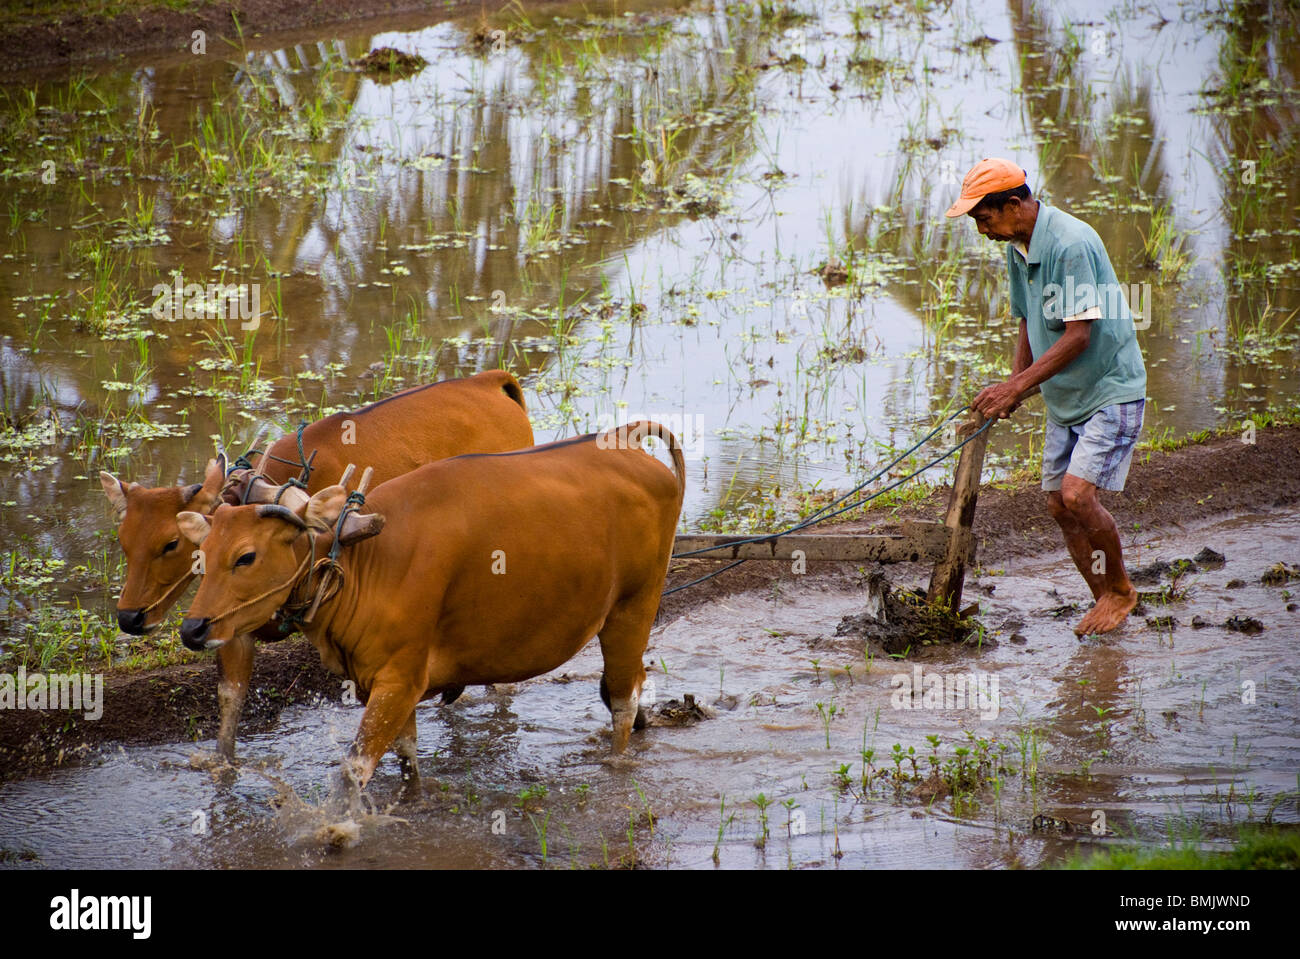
(178, 703)
(76, 37)
(80, 37)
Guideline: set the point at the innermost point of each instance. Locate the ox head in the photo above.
(158, 559)
(253, 557)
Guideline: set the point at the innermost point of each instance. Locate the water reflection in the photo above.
(630, 212)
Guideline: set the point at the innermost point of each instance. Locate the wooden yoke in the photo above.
(950, 571)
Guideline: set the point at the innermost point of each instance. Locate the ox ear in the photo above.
(205, 497)
(194, 526)
(116, 491)
(324, 508)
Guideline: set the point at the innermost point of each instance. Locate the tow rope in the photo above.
(821, 515)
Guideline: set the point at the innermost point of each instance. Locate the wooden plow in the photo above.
(949, 545)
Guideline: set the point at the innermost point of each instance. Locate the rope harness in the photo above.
(326, 573)
(304, 465)
(295, 615)
(182, 582)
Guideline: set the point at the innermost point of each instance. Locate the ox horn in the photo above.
(281, 512)
(223, 460)
(257, 437)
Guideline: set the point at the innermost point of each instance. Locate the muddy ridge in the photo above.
(178, 703)
(75, 39)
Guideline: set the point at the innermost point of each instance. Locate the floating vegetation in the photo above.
(388, 64)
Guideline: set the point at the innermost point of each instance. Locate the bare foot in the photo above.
(1111, 610)
(1084, 626)
(1094, 616)
(1121, 605)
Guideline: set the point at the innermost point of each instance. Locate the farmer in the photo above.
(1078, 344)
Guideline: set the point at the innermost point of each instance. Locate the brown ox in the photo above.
(479, 414)
(490, 569)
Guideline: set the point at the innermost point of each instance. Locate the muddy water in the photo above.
(625, 206)
(1149, 728)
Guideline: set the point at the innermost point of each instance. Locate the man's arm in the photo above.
(1023, 360)
(997, 401)
(1024, 356)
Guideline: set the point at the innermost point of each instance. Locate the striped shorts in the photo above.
(1098, 450)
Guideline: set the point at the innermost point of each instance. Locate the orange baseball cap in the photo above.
(990, 175)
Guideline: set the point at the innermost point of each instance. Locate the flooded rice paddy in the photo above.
(726, 216)
(1163, 731)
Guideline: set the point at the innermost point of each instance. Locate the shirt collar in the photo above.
(1040, 235)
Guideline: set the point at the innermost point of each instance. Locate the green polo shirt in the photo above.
(1065, 274)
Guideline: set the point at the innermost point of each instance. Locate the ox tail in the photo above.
(638, 431)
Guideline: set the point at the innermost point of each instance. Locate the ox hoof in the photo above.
(339, 835)
(624, 721)
(221, 768)
(412, 789)
(411, 782)
(345, 793)
(225, 773)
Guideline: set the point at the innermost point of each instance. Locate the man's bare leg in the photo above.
(1118, 596)
(1077, 542)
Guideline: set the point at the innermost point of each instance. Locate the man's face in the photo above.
(997, 224)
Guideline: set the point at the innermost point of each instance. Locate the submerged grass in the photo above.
(1255, 848)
